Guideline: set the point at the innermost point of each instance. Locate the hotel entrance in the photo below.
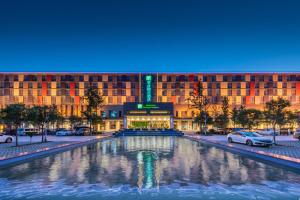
(148, 116)
(149, 122)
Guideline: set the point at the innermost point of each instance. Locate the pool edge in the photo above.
(35, 155)
(269, 159)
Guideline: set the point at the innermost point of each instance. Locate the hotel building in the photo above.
(147, 99)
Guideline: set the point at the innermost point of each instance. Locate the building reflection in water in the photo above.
(147, 162)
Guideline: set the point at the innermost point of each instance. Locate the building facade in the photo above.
(140, 99)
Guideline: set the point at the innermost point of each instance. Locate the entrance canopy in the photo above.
(148, 115)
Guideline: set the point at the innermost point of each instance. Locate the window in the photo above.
(112, 114)
(213, 78)
(261, 78)
(195, 78)
(270, 78)
(112, 125)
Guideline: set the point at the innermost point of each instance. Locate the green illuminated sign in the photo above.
(147, 106)
(148, 88)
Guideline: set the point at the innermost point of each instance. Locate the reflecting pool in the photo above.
(147, 168)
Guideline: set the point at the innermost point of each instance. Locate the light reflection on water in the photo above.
(147, 167)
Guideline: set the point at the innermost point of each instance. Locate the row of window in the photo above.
(133, 92)
(135, 85)
(135, 78)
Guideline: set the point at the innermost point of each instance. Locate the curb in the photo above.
(44, 153)
(281, 161)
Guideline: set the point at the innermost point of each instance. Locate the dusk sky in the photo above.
(150, 35)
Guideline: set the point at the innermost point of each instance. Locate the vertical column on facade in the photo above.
(171, 121)
(179, 125)
(156, 87)
(118, 125)
(106, 125)
(140, 87)
(125, 122)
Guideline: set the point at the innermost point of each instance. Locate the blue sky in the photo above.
(150, 35)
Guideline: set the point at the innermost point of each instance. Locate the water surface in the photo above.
(147, 168)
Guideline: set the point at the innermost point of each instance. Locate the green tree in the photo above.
(14, 115)
(42, 117)
(222, 120)
(275, 113)
(94, 101)
(199, 102)
(253, 118)
(201, 119)
(246, 118)
(291, 119)
(75, 121)
(235, 116)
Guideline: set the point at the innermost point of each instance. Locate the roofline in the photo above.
(76, 72)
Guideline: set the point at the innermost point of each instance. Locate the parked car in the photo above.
(267, 131)
(82, 131)
(6, 138)
(64, 133)
(286, 131)
(26, 131)
(10, 132)
(296, 134)
(249, 138)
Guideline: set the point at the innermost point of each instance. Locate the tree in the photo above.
(246, 118)
(252, 118)
(275, 112)
(200, 103)
(203, 118)
(75, 121)
(222, 120)
(235, 116)
(291, 119)
(14, 115)
(42, 116)
(93, 101)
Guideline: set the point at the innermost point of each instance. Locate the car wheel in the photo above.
(8, 140)
(249, 143)
(230, 140)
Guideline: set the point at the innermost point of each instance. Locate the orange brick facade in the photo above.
(66, 89)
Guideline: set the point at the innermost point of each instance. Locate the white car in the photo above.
(267, 131)
(6, 138)
(296, 134)
(26, 131)
(249, 138)
(63, 133)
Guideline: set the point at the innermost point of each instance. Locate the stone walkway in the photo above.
(288, 148)
(11, 151)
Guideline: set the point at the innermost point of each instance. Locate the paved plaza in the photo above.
(288, 148)
(10, 150)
